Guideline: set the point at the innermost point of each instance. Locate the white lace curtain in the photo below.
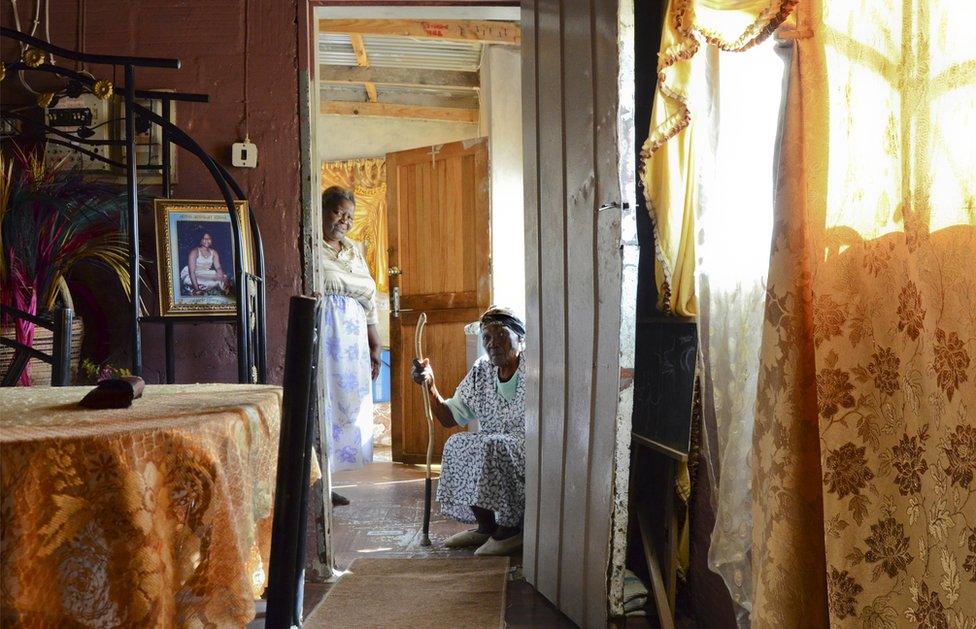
(738, 100)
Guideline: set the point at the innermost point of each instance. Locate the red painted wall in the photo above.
(208, 37)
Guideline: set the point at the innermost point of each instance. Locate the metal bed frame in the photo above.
(250, 319)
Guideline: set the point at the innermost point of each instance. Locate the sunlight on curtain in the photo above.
(865, 436)
(367, 179)
(740, 113)
(901, 81)
(667, 156)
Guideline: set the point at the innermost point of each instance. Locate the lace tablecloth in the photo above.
(154, 515)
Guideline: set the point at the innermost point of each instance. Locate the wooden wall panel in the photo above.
(580, 236)
(573, 275)
(534, 353)
(610, 298)
(552, 280)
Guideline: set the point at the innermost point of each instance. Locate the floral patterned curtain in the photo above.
(865, 438)
(367, 179)
(863, 447)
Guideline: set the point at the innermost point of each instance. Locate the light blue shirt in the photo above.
(463, 414)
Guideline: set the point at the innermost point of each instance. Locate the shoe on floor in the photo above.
(338, 500)
(465, 539)
(501, 547)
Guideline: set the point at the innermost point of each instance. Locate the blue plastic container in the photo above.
(381, 386)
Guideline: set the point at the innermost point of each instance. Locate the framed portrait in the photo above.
(195, 251)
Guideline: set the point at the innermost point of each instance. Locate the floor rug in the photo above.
(416, 592)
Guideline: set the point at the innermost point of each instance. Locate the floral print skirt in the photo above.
(486, 470)
(344, 356)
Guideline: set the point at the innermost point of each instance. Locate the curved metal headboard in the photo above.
(228, 186)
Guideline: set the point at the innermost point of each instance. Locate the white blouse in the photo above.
(345, 272)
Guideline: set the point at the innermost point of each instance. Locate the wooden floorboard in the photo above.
(385, 514)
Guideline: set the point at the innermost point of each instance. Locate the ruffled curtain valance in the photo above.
(367, 179)
(668, 163)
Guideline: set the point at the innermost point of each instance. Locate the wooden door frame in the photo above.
(626, 298)
(630, 253)
(310, 197)
(322, 567)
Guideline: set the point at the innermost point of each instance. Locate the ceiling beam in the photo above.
(391, 110)
(406, 77)
(371, 92)
(360, 49)
(489, 32)
(362, 60)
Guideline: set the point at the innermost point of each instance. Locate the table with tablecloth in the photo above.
(154, 515)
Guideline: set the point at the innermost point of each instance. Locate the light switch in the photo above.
(244, 154)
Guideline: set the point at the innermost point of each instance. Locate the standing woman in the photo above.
(350, 343)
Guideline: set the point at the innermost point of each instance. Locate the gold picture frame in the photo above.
(191, 282)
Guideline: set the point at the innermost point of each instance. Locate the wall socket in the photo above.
(244, 154)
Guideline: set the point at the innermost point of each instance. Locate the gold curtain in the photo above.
(668, 167)
(367, 179)
(865, 439)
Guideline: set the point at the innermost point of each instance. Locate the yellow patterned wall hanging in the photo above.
(367, 179)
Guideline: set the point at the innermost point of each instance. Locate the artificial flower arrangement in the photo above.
(91, 372)
(51, 219)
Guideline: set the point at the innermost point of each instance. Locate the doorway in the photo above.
(579, 259)
(418, 112)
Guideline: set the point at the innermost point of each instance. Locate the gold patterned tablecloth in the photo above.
(154, 515)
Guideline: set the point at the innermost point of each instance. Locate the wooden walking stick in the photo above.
(425, 538)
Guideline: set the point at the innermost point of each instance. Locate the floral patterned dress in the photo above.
(348, 308)
(487, 468)
(344, 355)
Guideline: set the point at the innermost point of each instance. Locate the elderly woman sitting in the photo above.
(483, 474)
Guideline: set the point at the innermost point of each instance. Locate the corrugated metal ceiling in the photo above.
(402, 52)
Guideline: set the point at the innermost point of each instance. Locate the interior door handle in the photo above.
(613, 205)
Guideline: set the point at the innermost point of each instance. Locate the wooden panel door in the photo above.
(439, 259)
(578, 337)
